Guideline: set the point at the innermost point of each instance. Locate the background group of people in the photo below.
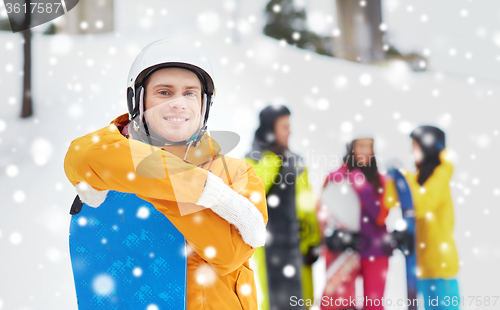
(297, 233)
(205, 213)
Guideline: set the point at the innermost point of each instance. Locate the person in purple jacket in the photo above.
(359, 168)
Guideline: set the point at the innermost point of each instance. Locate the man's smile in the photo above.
(176, 119)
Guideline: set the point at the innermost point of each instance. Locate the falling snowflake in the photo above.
(210, 252)
(289, 271)
(245, 289)
(205, 275)
(365, 79)
(15, 238)
(137, 271)
(131, 176)
(405, 127)
(255, 197)
(103, 285)
(346, 127)
(340, 82)
(208, 22)
(41, 151)
(323, 104)
(19, 196)
(317, 21)
(143, 213)
(53, 255)
(82, 221)
(273, 201)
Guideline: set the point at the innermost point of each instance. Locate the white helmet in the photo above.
(167, 54)
(357, 134)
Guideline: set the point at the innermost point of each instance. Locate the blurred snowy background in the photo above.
(78, 85)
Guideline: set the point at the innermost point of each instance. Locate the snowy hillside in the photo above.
(79, 86)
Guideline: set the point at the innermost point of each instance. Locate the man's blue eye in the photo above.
(191, 94)
(164, 92)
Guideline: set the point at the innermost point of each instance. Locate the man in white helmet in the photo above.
(162, 220)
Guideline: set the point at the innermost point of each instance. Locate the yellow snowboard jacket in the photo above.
(436, 252)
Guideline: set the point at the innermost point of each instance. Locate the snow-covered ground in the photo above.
(79, 86)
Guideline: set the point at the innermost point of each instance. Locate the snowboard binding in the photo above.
(403, 241)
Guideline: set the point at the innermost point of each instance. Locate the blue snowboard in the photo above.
(406, 202)
(125, 254)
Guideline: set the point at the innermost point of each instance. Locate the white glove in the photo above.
(234, 208)
(90, 196)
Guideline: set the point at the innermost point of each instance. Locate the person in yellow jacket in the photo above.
(436, 253)
(161, 153)
(285, 264)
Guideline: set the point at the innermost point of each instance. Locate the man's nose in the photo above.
(177, 102)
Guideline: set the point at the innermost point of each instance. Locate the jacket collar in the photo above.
(207, 150)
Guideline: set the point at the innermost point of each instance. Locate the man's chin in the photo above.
(175, 137)
(173, 133)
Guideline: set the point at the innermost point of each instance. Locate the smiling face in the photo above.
(173, 103)
(363, 150)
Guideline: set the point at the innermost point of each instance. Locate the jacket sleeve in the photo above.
(306, 213)
(431, 195)
(391, 198)
(108, 161)
(213, 238)
(267, 167)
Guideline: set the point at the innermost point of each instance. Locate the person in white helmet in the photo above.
(153, 184)
(375, 196)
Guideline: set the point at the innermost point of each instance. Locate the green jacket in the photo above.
(268, 168)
